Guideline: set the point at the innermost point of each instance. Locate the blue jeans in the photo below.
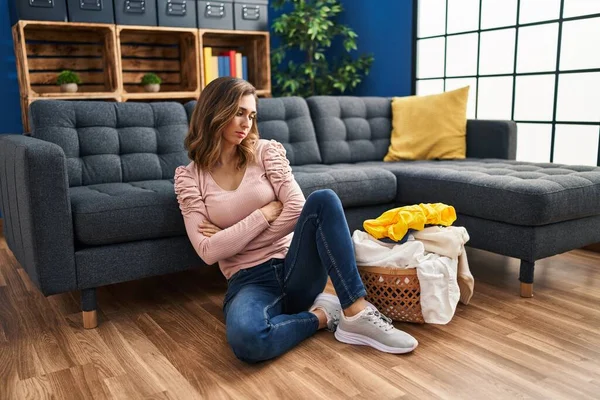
(266, 306)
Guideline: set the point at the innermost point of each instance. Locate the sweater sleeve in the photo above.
(225, 243)
(287, 190)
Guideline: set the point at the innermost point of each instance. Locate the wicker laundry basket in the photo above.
(394, 291)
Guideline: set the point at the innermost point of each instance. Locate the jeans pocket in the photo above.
(237, 275)
(232, 288)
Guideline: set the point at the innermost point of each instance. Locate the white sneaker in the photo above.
(332, 308)
(371, 328)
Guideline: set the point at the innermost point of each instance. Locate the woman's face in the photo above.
(240, 125)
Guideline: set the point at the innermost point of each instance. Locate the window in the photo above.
(532, 61)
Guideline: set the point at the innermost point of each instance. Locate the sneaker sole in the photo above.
(354, 338)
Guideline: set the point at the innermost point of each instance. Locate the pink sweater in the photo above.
(247, 238)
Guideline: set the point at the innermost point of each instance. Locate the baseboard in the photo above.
(593, 247)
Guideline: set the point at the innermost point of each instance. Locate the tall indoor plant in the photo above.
(309, 29)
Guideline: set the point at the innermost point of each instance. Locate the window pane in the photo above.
(534, 97)
(456, 83)
(430, 86)
(533, 142)
(580, 7)
(497, 52)
(463, 15)
(537, 48)
(430, 58)
(578, 97)
(462, 55)
(576, 144)
(580, 44)
(432, 18)
(495, 98)
(496, 13)
(538, 10)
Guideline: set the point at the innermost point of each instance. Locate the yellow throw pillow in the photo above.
(429, 127)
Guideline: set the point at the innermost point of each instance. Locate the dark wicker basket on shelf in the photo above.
(394, 291)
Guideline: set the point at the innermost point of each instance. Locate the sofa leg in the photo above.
(526, 278)
(88, 307)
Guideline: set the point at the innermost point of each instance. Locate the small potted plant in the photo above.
(151, 82)
(68, 81)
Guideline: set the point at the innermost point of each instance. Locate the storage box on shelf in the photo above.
(178, 13)
(171, 53)
(252, 44)
(46, 10)
(135, 12)
(98, 11)
(251, 15)
(215, 14)
(44, 48)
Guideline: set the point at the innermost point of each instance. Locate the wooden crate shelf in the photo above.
(253, 44)
(160, 96)
(171, 53)
(111, 60)
(44, 49)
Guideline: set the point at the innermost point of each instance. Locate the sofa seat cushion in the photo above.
(515, 192)
(355, 185)
(123, 212)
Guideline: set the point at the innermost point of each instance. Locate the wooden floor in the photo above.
(165, 338)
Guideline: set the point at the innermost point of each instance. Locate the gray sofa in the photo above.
(88, 197)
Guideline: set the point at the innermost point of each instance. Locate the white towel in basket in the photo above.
(437, 274)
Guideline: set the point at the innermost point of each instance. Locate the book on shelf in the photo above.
(219, 63)
(245, 67)
(231, 56)
(210, 72)
(223, 66)
(238, 66)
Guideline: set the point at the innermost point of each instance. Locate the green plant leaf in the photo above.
(151, 79)
(67, 76)
(309, 28)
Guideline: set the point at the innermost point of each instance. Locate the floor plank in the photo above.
(164, 338)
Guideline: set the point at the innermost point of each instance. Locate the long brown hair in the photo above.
(217, 106)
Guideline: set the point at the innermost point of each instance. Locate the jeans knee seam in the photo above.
(295, 256)
(332, 260)
(291, 321)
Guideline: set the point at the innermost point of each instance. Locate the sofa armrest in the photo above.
(491, 139)
(38, 226)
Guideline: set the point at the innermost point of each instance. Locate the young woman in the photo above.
(241, 204)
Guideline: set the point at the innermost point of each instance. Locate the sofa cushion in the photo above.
(431, 127)
(351, 129)
(122, 212)
(113, 142)
(356, 186)
(514, 192)
(287, 120)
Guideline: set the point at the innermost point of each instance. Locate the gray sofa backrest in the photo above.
(113, 142)
(287, 120)
(351, 129)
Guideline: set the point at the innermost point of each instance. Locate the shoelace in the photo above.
(332, 320)
(380, 320)
(334, 323)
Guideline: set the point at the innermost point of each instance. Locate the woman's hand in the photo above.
(208, 229)
(272, 210)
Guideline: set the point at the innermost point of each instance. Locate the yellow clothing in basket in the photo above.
(396, 222)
